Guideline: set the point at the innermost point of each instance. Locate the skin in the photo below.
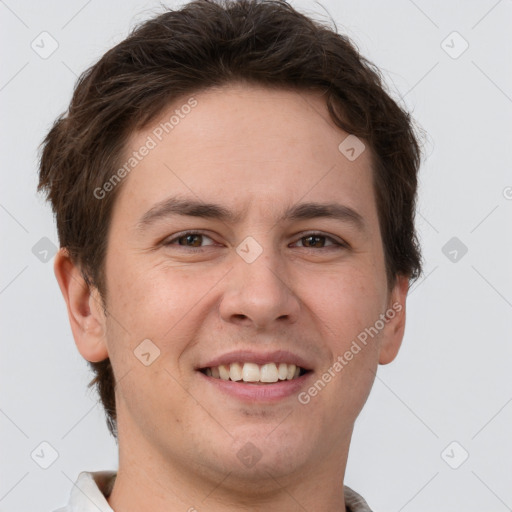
(255, 151)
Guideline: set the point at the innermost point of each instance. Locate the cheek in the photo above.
(143, 297)
(348, 310)
(162, 304)
(347, 301)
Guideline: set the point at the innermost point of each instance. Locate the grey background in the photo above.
(451, 380)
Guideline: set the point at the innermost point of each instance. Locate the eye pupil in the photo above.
(189, 237)
(313, 237)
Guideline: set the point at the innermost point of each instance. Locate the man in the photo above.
(234, 193)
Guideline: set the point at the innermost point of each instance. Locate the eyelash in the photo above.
(335, 245)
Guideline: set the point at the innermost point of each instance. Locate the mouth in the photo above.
(253, 373)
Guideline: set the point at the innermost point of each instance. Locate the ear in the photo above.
(85, 308)
(395, 325)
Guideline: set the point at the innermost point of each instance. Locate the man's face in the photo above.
(257, 288)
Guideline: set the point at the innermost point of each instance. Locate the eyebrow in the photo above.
(192, 208)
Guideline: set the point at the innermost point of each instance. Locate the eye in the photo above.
(313, 239)
(190, 239)
(193, 239)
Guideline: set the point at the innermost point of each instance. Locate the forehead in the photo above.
(246, 147)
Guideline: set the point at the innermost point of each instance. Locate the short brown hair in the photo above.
(206, 44)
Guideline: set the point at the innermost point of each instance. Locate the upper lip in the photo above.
(250, 356)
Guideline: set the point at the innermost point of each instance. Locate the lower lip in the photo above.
(260, 392)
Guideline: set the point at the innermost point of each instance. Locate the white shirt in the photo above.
(91, 489)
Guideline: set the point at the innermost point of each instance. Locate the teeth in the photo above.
(223, 371)
(282, 371)
(235, 371)
(252, 372)
(268, 373)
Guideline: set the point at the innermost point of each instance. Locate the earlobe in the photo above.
(84, 308)
(395, 327)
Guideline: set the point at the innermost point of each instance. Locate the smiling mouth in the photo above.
(268, 373)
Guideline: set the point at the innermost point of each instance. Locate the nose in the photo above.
(259, 294)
